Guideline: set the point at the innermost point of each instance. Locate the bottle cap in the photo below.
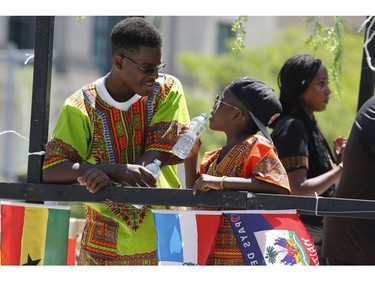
(204, 115)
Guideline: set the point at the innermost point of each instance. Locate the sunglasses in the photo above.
(219, 100)
(146, 70)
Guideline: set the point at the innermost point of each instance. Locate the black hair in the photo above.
(132, 33)
(294, 77)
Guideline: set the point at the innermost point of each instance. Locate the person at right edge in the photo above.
(348, 240)
(311, 167)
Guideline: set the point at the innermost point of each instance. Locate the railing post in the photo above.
(43, 55)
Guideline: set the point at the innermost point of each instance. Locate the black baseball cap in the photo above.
(260, 99)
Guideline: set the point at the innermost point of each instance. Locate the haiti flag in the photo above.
(273, 238)
(185, 237)
(34, 234)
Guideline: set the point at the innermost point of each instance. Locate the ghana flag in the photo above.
(34, 234)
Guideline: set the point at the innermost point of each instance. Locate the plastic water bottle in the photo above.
(184, 145)
(154, 168)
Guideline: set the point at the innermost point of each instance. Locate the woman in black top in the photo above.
(312, 168)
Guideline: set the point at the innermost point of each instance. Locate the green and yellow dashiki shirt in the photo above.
(89, 130)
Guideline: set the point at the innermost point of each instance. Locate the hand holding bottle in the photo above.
(184, 145)
(154, 168)
(197, 144)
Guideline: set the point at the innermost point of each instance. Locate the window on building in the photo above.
(22, 31)
(224, 33)
(102, 45)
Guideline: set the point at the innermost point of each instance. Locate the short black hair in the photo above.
(294, 77)
(132, 33)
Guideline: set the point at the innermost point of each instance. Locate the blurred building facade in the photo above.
(82, 54)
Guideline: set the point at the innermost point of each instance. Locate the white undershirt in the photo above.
(103, 93)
